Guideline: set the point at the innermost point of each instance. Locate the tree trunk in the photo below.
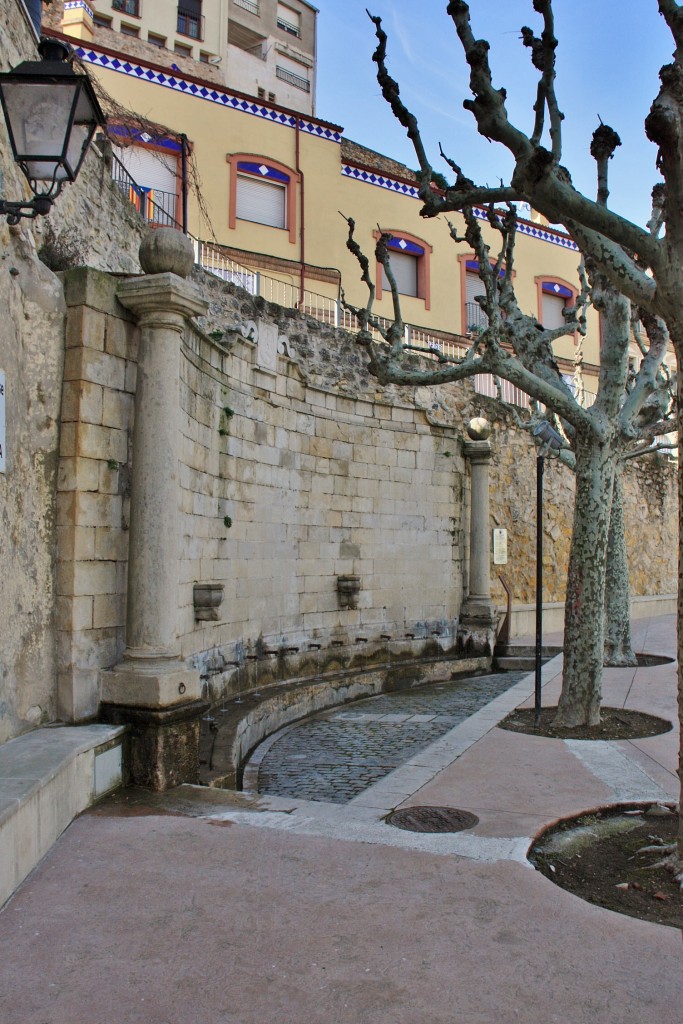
(585, 599)
(617, 619)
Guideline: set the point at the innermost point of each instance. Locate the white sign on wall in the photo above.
(2, 422)
(500, 547)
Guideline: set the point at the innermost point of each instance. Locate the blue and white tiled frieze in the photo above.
(394, 185)
(72, 5)
(168, 79)
(381, 180)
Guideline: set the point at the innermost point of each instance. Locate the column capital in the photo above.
(153, 294)
(477, 451)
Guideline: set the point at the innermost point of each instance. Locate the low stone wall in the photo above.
(253, 717)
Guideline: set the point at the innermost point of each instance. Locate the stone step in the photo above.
(47, 778)
(525, 651)
(516, 664)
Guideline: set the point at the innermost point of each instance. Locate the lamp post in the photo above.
(51, 113)
(551, 441)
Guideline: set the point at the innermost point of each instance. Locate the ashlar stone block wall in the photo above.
(92, 488)
(296, 468)
(286, 486)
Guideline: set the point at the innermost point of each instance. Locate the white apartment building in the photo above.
(264, 48)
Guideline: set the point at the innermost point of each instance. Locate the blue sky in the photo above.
(608, 62)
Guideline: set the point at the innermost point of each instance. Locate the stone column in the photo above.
(479, 614)
(151, 689)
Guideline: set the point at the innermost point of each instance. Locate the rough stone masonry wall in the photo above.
(91, 222)
(31, 331)
(285, 485)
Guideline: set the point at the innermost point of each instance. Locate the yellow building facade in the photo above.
(273, 183)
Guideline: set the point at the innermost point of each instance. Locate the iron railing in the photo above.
(155, 205)
(151, 205)
(248, 5)
(476, 319)
(289, 76)
(190, 24)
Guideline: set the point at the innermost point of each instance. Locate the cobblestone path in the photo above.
(337, 754)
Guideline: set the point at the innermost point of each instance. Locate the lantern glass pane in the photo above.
(39, 118)
(78, 143)
(85, 122)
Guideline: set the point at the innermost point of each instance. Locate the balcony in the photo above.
(296, 80)
(190, 24)
(129, 7)
(249, 5)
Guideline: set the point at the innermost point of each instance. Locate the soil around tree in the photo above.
(615, 724)
(598, 857)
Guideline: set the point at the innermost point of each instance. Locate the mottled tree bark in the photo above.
(642, 263)
(585, 597)
(617, 619)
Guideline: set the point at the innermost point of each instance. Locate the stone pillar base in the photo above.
(159, 700)
(149, 683)
(161, 745)
(477, 627)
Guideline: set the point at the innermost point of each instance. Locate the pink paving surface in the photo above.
(169, 920)
(173, 920)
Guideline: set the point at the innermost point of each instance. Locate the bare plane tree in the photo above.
(643, 265)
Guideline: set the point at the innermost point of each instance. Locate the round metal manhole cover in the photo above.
(432, 819)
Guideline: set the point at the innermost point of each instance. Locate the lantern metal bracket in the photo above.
(39, 206)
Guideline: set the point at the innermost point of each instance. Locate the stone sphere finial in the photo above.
(479, 428)
(166, 251)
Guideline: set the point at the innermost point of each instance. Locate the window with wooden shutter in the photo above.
(263, 191)
(288, 20)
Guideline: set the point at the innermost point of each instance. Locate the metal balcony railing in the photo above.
(130, 7)
(296, 80)
(190, 24)
(248, 5)
(156, 206)
(476, 319)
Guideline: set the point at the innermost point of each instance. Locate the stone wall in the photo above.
(296, 469)
(31, 331)
(92, 499)
(91, 222)
(286, 484)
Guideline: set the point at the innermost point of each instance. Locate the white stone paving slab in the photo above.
(627, 780)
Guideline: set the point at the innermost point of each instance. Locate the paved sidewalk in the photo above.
(212, 908)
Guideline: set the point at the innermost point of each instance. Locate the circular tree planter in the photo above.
(615, 724)
(599, 857)
(653, 660)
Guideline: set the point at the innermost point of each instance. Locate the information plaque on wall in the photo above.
(500, 547)
(2, 422)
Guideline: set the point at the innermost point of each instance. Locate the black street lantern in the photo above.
(51, 114)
